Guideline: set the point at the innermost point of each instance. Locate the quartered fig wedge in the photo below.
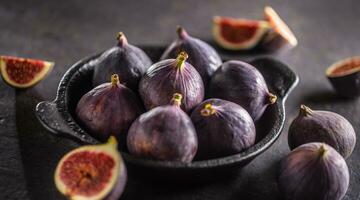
(239, 34)
(92, 172)
(345, 76)
(23, 72)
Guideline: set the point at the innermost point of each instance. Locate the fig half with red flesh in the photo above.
(92, 172)
(23, 72)
(280, 36)
(345, 76)
(238, 34)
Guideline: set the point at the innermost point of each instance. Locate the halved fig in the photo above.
(23, 72)
(280, 35)
(238, 34)
(344, 76)
(92, 172)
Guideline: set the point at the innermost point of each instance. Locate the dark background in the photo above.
(65, 32)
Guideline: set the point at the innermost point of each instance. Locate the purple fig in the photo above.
(223, 128)
(322, 126)
(164, 133)
(92, 172)
(201, 55)
(110, 108)
(313, 171)
(129, 61)
(170, 76)
(243, 84)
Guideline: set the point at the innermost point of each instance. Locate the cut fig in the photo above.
(280, 35)
(238, 34)
(92, 172)
(345, 76)
(23, 72)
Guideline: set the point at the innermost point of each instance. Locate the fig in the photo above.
(242, 83)
(23, 72)
(170, 76)
(280, 35)
(164, 133)
(201, 55)
(322, 126)
(313, 171)
(239, 34)
(223, 128)
(92, 172)
(345, 76)
(110, 108)
(129, 61)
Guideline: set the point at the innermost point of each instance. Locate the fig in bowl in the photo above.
(223, 128)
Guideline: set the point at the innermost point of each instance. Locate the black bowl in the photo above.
(59, 117)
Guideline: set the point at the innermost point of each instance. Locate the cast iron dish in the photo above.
(59, 117)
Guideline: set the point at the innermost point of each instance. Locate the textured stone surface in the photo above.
(64, 32)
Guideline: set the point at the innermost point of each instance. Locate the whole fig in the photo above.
(125, 59)
(223, 128)
(164, 133)
(243, 84)
(322, 126)
(110, 108)
(170, 76)
(313, 171)
(201, 55)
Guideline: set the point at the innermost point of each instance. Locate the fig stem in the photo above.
(121, 39)
(272, 98)
(208, 110)
(322, 150)
(112, 141)
(114, 80)
(180, 60)
(304, 110)
(181, 32)
(176, 100)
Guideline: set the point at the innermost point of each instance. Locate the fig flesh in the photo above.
(242, 83)
(110, 108)
(345, 76)
(170, 76)
(223, 128)
(313, 171)
(201, 55)
(129, 61)
(239, 34)
(164, 133)
(23, 72)
(322, 126)
(92, 172)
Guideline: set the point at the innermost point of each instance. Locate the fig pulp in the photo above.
(110, 108)
(239, 34)
(313, 171)
(223, 128)
(92, 172)
(124, 59)
(322, 126)
(170, 76)
(23, 72)
(201, 55)
(243, 84)
(164, 133)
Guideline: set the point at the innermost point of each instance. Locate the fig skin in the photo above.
(86, 167)
(129, 61)
(242, 83)
(313, 171)
(110, 108)
(170, 76)
(201, 55)
(223, 128)
(164, 133)
(322, 126)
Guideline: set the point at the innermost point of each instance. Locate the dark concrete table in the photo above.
(327, 30)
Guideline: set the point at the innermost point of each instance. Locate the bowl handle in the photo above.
(48, 114)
